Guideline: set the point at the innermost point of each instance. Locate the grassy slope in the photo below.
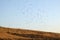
(21, 34)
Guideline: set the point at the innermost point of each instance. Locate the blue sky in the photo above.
(31, 14)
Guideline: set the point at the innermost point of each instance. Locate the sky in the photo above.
(41, 15)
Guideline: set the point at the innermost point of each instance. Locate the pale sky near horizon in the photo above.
(31, 14)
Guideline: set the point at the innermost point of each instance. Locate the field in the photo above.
(23, 34)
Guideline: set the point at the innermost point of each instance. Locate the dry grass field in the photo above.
(22, 34)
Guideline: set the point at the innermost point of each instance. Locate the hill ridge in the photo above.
(22, 34)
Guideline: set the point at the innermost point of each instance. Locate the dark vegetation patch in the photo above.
(27, 35)
(34, 36)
